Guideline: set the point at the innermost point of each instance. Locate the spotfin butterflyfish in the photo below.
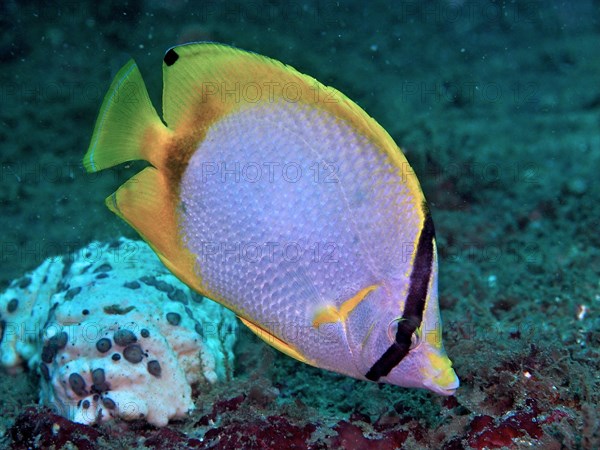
(281, 199)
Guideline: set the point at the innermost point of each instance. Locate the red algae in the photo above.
(485, 432)
(39, 427)
(274, 433)
(351, 437)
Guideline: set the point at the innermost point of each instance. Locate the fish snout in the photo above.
(439, 376)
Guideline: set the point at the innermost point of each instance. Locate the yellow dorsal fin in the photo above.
(128, 127)
(145, 202)
(274, 341)
(331, 314)
(204, 81)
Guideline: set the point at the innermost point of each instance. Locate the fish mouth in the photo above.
(447, 392)
(445, 383)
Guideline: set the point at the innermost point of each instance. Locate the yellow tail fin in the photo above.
(128, 127)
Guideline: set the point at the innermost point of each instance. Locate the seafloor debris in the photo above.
(114, 334)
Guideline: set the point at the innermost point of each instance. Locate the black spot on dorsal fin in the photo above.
(171, 57)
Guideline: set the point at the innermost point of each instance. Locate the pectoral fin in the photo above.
(331, 314)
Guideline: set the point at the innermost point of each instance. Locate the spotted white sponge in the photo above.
(114, 334)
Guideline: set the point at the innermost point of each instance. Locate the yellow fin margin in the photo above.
(274, 341)
(144, 202)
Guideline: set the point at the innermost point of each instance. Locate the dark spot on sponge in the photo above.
(109, 403)
(103, 345)
(154, 368)
(99, 379)
(124, 337)
(150, 281)
(58, 341)
(145, 333)
(98, 376)
(48, 353)
(173, 318)
(45, 372)
(71, 293)
(12, 305)
(103, 268)
(197, 298)
(132, 285)
(159, 285)
(177, 295)
(25, 282)
(77, 383)
(116, 357)
(117, 309)
(133, 353)
(68, 262)
(163, 286)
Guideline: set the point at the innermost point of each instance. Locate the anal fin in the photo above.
(146, 203)
(274, 341)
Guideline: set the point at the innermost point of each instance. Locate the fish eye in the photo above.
(393, 328)
(415, 339)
